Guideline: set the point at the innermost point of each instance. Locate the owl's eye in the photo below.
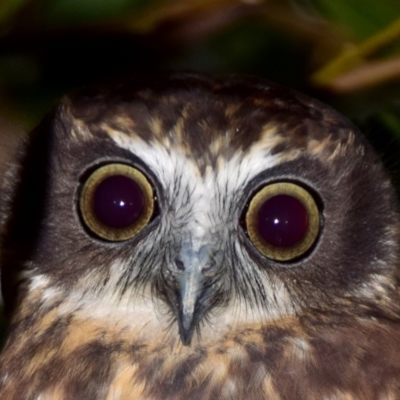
(116, 202)
(282, 221)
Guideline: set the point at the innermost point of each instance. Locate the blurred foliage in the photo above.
(345, 52)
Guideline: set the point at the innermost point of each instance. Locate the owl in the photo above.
(184, 236)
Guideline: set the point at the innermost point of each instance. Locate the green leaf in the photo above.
(360, 19)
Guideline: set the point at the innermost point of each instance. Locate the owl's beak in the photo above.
(190, 291)
(193, 292)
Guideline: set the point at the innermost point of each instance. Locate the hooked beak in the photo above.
(191, 287)
(194, 288)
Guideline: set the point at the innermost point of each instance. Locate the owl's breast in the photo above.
(284, 359)
(281, 360)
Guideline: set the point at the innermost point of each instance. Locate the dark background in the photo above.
(345, 52)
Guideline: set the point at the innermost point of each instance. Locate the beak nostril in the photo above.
(179, 264)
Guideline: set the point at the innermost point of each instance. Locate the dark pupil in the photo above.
(118, 201)
(282, 221)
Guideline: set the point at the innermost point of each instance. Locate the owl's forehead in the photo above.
(177, 167)
(227, 125)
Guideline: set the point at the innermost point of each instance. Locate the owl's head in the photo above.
(184, 202)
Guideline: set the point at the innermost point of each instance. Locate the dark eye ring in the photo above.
(116, 202)
(283, 221)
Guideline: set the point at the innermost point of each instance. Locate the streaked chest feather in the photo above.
(82, 356)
